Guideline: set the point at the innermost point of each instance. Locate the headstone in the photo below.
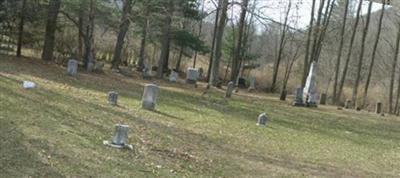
(379, 108)
(90, 66)
(150, 96)
(322, 99)
(120, 137)
(229, 89)
(252, 82)
(298, 100)
(146, 73)
(173, 77)
(201, 72)
(192, 75)
(310, 89)
(113, 98)
(262, 119)
(347, 104)
(28, 85)
(241, 82)
(72, 68)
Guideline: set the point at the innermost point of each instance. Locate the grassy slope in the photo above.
(58, 129)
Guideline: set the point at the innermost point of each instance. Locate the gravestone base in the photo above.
(148, 105)
(312, 105)
(191, 82)
(119, 138)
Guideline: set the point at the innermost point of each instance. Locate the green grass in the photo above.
(57, 129)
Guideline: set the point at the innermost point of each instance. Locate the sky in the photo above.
(300, 11)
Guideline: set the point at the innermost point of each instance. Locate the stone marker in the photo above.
(229, 89)
(119, 140)
(98, 67)
(322, 99)
(310, 89)
(173, 77)
(298, 100)
(192, 75)
(252, 82)
(150, 96)
(262, 119)
(113, 98)
(379, 108)
(28, 84)
(72, 68)
(347, 104)
(146, 73)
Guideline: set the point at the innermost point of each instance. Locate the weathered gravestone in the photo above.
(310, 89)
(72, 68)
(98, 67)
(150, 96)
(262, 119)
(192, 75)
(28, 85)
(229, 89)
(379, 108)
(173, 77)
(347, 104)
(119, 140)
(322, 99)
(113, 98)
(146, 73)
(298, 100)
(252, 82)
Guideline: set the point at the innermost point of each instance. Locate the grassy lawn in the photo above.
(57, 129)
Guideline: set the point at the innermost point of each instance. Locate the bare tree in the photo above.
(307, 53)
(51, 25)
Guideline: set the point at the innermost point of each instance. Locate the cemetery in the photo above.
(199, 88)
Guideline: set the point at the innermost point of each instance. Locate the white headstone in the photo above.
(229, 89)
(173, 77)
(310, 89)
(150, 96)
(72, 68)
(192, 75)
(262, 119)
(113, 98)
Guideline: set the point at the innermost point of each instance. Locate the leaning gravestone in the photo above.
(192, 75)
(229, 89)
(262, 119)
(298, 100)
(72, 68)
(150, 96)
(322, 99)
(379, 108)
(252, 82)
(113, 98)
(173, 77)
(119, 140)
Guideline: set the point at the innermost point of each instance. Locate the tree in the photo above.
(361, 58)
(223, 6)
(308, 43)
(125, 22)
(51, 25)
(371, 65)
(21, 28)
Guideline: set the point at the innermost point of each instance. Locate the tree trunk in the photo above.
(213, 43)
(178, 62)
(218, 43)
(393, 73)
(238, 47)
(165, 42)
(371, 66)
(88, 56)
(346, 66)
(143, 44)
(307, 55)
(21, 28)
(200, 30)
(360, 60)
(123, 29)
(80, 30)
(281, 47)
(339, 55)
(51, 26)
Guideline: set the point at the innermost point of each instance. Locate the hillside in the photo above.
(57, 130)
